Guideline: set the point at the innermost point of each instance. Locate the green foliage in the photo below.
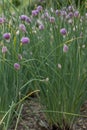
(16, 2)
(60, 76)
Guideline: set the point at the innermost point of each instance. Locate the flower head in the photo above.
(65, 48)
(7, 36)
(22, 27)
(70, 14)
(17, 66)
(35, 12)
(25, 40)
(52, 19)
(63, 31)
(2, 20)
(23, 17)
(41, 27)
(4, 49)
(39, 8)
(70, 8)
(63, 13)
(28, 20)
(46, 15)
(76, 14)
(58, 12)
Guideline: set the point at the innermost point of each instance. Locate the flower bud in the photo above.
(63, 31)
(4, 49)
(65, 48)
(17, 66)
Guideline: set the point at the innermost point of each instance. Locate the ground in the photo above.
(33, 119)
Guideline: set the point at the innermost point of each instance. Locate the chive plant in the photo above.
(44, 49)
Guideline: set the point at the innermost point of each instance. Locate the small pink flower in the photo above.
(58, 12)
(17, 66)
(63, 13)
(28, 20)
(22, 27)
(6, 36)
(70, 14)
(4, 49)
(41, 27)
(35, 12)
(76, 14)
(39, 8)
(65, 48)
(46, 15)
(52, 19)
(71, 8)
(63, 31)
(25, 40)
(23, 17)
(2, 20)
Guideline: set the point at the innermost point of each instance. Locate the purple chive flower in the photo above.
(65, 48)
(46, 14)
(7, 36)
(58, 12)
(25, 40)
(63, 13)
(2, 20)
(17, 66)
(22, 27)
(76, 14)
(23, 17)
(71, 8)
(70, 14)
(63, 31)
(52, 19)
(35, 12)
(4, 49)
(28, 20)
(41, 27)
(39, 8)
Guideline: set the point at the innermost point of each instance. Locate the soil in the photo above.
(32, 119)
(81, 122)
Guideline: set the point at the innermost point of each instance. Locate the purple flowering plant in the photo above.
(54, 61)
